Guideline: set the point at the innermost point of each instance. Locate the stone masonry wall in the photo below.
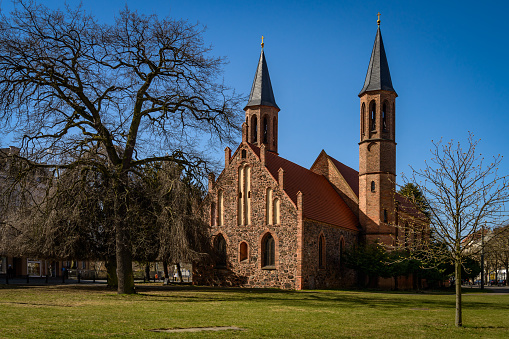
(250, 272)
(334, 274)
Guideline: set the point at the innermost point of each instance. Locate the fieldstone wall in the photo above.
(334, 274)
(250, 272)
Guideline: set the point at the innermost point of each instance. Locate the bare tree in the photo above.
(463, 193)
(141, 90)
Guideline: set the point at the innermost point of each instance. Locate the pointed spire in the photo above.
(261, 91)
(378, 76)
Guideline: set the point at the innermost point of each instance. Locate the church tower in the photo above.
(377, 148)
(261, 123)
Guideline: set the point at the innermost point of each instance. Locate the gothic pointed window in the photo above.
(363, 119)
(254, 129)
(384, 116)
(276, 219)
(265, 131)
(269, 251)
(244, 195)
(243, 255)
(268, 209)
(274, 131)
(372, 115)
(220, 250)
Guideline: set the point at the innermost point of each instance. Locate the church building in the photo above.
(277, 224)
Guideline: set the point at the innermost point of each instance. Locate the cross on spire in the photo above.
(262, 41)
(378, 21)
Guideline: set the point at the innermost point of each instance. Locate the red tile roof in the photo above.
(351, 176)
(321, 202)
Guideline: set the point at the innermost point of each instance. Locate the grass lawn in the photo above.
(94, 311)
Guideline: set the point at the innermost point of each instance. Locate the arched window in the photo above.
(244, 154)
(373, 186)
(269, 251)
(220, 208)
(220, 250)
(244, 195)
(265, 131)
(254, 129)
(372, 115)
(363, 119)
(243, 251)
(321, 251)
(384, 116)
(268, 210)
(274, 131)
(276, 217)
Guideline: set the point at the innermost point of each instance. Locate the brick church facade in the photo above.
(277, 224)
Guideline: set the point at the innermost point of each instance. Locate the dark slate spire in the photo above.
(261, 91)
(378, 76)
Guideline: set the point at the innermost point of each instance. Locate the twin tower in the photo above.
(377, 146)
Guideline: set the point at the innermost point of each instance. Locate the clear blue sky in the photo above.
(448, 62)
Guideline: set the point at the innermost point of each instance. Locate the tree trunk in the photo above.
(457, 268)
(166, 274)
(123, 245)
(179, 272)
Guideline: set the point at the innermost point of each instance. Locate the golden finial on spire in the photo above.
(378, 21)
(262, 41)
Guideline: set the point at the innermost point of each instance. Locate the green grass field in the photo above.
(94, 311)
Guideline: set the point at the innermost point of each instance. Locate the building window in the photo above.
(385, 215)
(276, 215)
(372, 110)
(373, 186)
(254, 129)
(244, 154)
(321, 251)
(268, 209)
(274, 131)
(363, 118)
(3, 265)
(269, 251)
(243, 251)
(34, 267)
(220, 250)
(244, 195)
(384, 116)
(265, 131)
